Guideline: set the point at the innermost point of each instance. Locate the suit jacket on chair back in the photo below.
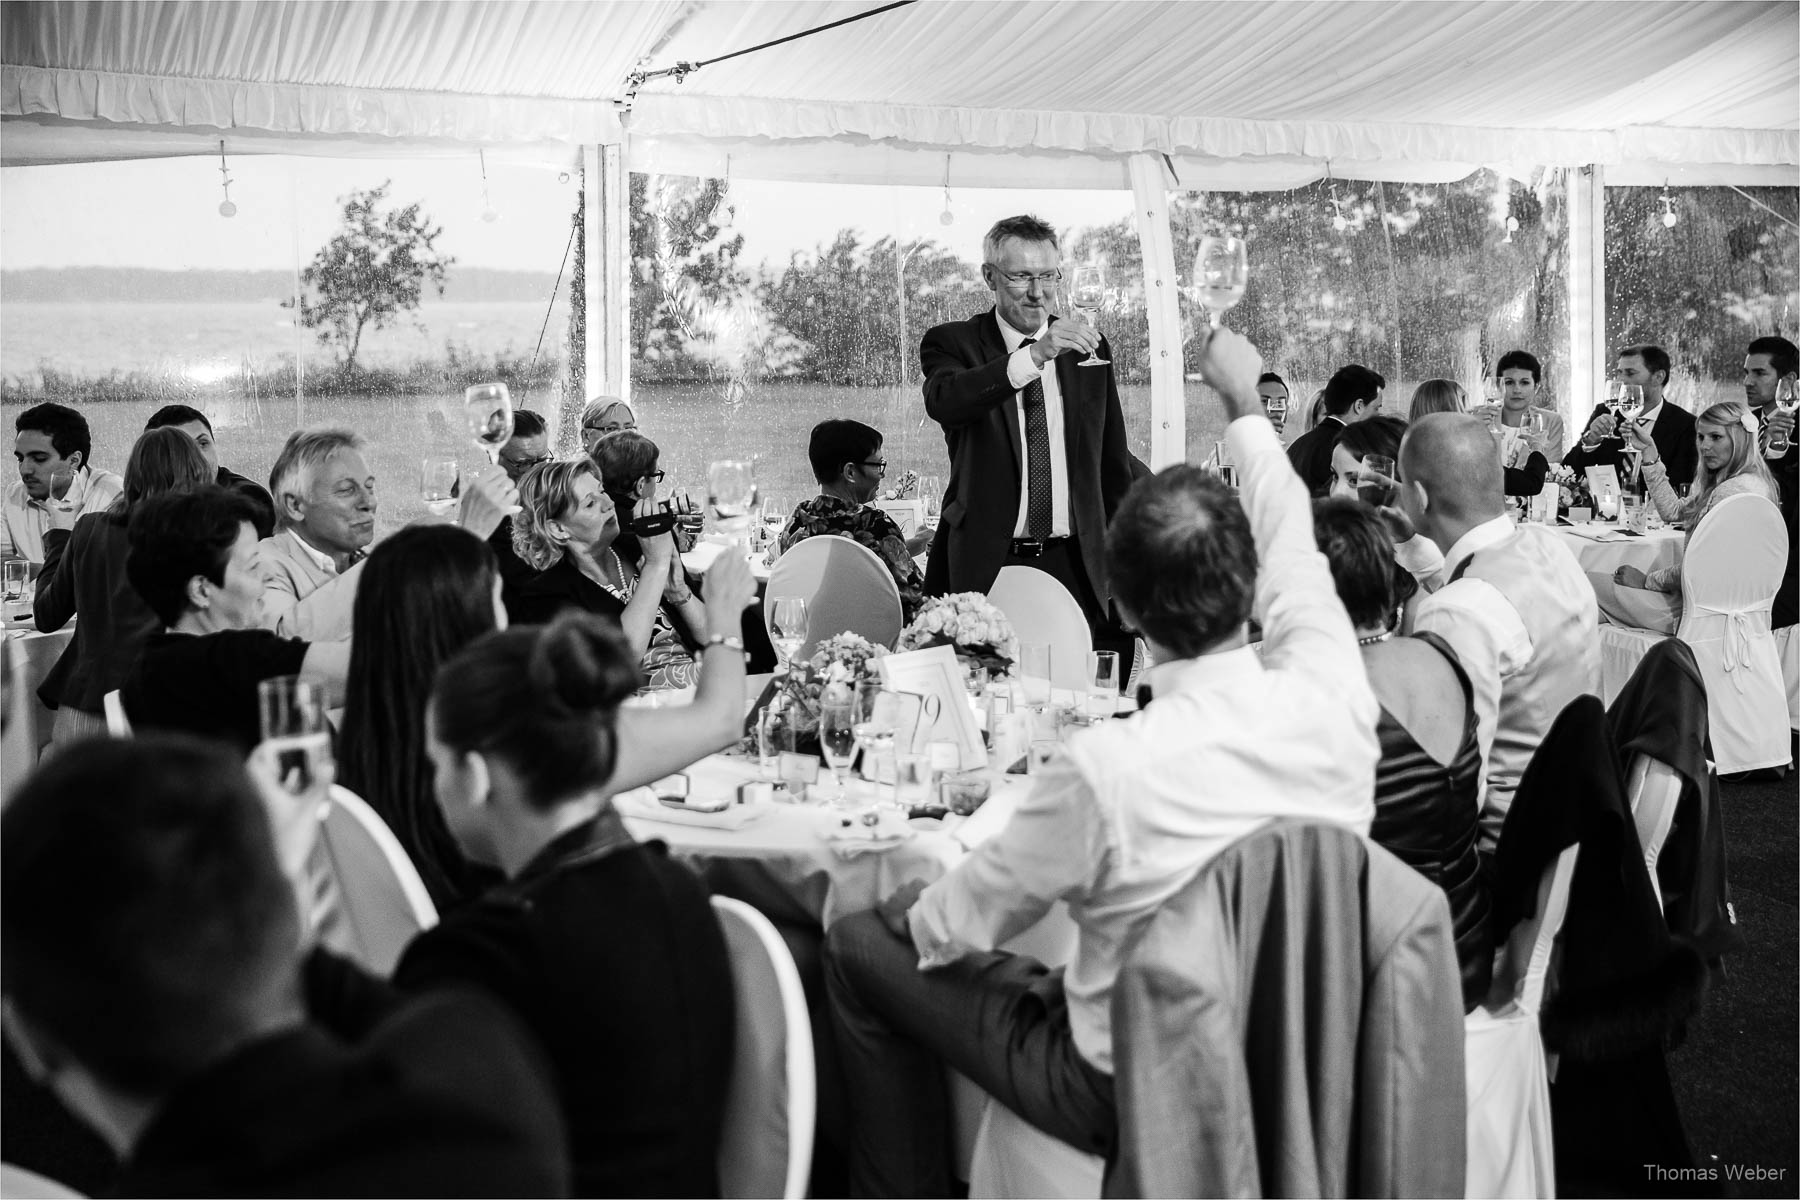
(968, 392)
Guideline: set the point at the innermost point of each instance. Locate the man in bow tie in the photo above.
(1038, 460)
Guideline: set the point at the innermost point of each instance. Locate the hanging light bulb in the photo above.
(1512, 227)
(1670, 218)
(487, 209)
(1339, 221)
(226, 207)
(946, 217)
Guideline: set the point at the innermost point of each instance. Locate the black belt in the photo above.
(1033, 547)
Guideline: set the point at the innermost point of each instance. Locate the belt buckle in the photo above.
(1028, 547)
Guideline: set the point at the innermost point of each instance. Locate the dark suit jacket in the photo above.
(1673, 434)
(968, 393)
(1311, 454)
(446, 1097)
(1787, 598)
(254, 492)
(84, 572)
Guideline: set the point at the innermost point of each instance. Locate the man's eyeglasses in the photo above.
(524, 464)
(1021, 281)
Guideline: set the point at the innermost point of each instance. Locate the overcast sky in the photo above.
(164, 212)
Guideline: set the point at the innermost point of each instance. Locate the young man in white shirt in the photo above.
(1513, 602)
(1121, 821)
(56, 484)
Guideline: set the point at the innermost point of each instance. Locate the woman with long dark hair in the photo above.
(84, 575)
(426, 593)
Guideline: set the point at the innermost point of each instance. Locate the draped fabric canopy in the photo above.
(1055, 93)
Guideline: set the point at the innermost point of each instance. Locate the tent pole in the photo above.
(1587, 294)
(607, 285)
(1168, 412)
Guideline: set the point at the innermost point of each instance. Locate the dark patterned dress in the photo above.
(867, 527)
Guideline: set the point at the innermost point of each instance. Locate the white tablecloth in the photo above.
(1604, 548)
(40, 651)
(793, 870)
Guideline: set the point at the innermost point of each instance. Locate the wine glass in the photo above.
(1221, 272)
(931, 492)
(774, 516)
(1785, 402)
(731, 484)
(877, 720)
(1087, 296)
(488, 413)
(789, 621)
(438, 478)
(837, 736)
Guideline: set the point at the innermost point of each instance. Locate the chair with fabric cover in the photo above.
(1654, 789)
(765, 1148)
(846, 586)
(1042, 610)
(1290, 1023)
(1787, 646)
(18, 720)
(17, 1183)
(381, 903)
(1511, 1152)
(117, 723)
(1729, 576)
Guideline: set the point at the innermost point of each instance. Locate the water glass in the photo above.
(914, 780)
(774, 737)
(291, 711)
(1632, 511)
(1033, 673)
(17, 575)
(1103, 683)
(1375, 480)
(438, 479)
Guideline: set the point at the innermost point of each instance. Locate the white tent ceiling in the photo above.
(1055, 93)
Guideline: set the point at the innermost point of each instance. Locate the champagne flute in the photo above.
(488, 413)
(790, 628)
(297, 738)
(1221, 272)
(837, 737)
(1087, 295)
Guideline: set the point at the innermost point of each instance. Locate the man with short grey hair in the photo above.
(1038, 458)
(325, 508)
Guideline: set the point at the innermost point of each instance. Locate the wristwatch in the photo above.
(729, 641)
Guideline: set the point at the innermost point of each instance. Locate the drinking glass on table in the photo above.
(774, 516)
(877, 720)
(837, 737)
(1376, 480)
(438, 479)
(488, 414)
(1033, 675)
(931, 493)
(295, 734)
(1103, 683)
(788, 622)
(17, 575)
(1087, 296)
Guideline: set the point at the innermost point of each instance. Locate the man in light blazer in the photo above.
(1038, 457)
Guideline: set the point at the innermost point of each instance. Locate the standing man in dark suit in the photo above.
(1672, 427)
(1767, 362)
(1354, 394)
(1038, 460)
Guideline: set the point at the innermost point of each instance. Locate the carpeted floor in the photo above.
(1737, 1078)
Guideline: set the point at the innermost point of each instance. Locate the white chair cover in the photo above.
(1655, 789)
(1510, 1149)
(117, 723)
(1787, 645)
(765, 1148)
(380, 903)
(846, 586)
(18, 721)
(1729, 576)
(1041, 610)
(17, 1183)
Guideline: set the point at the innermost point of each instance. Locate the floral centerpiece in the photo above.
(1571, 488)
(846, 659)
(905, 488)
(969, 625)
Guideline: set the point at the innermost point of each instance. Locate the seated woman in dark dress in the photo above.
(606, 948)
(565, 530)
(195, 561)
(1426, 799)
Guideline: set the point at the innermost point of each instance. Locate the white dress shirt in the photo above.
(1482, 627)
(1130, 811)
(24, 521)
(1020, 370)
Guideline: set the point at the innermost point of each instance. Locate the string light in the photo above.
(226, 207)
(1339, 221)
(487, 209)
(1512, 227)
(946, 217)
(1670, 218)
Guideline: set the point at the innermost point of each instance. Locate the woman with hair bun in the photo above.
(605, 947)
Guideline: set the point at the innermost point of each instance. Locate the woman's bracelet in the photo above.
(729, 641)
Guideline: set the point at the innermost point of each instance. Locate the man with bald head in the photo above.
(1514, 603)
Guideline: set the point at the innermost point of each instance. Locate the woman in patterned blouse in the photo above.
(847, 462)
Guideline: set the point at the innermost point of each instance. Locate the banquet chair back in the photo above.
(765, 1148)
(1654, 790)
(383, 902)
(1787, 648)
(846, 586)
(18, 1183)
(1042, 610)
(117, 723)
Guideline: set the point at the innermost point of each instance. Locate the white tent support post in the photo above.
(608, 284)
(1168, 411)
(1587, 293)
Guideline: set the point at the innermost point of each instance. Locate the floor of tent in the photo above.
(1737, 1079)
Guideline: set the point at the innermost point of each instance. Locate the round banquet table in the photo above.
(783, 861)
(1603, 548)
(37, 652)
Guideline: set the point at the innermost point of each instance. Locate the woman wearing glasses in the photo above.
(847, 461)
(604, 415)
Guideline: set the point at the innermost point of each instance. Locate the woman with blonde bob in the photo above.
(1730, 465)
(565, 530)
(1438, 395)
